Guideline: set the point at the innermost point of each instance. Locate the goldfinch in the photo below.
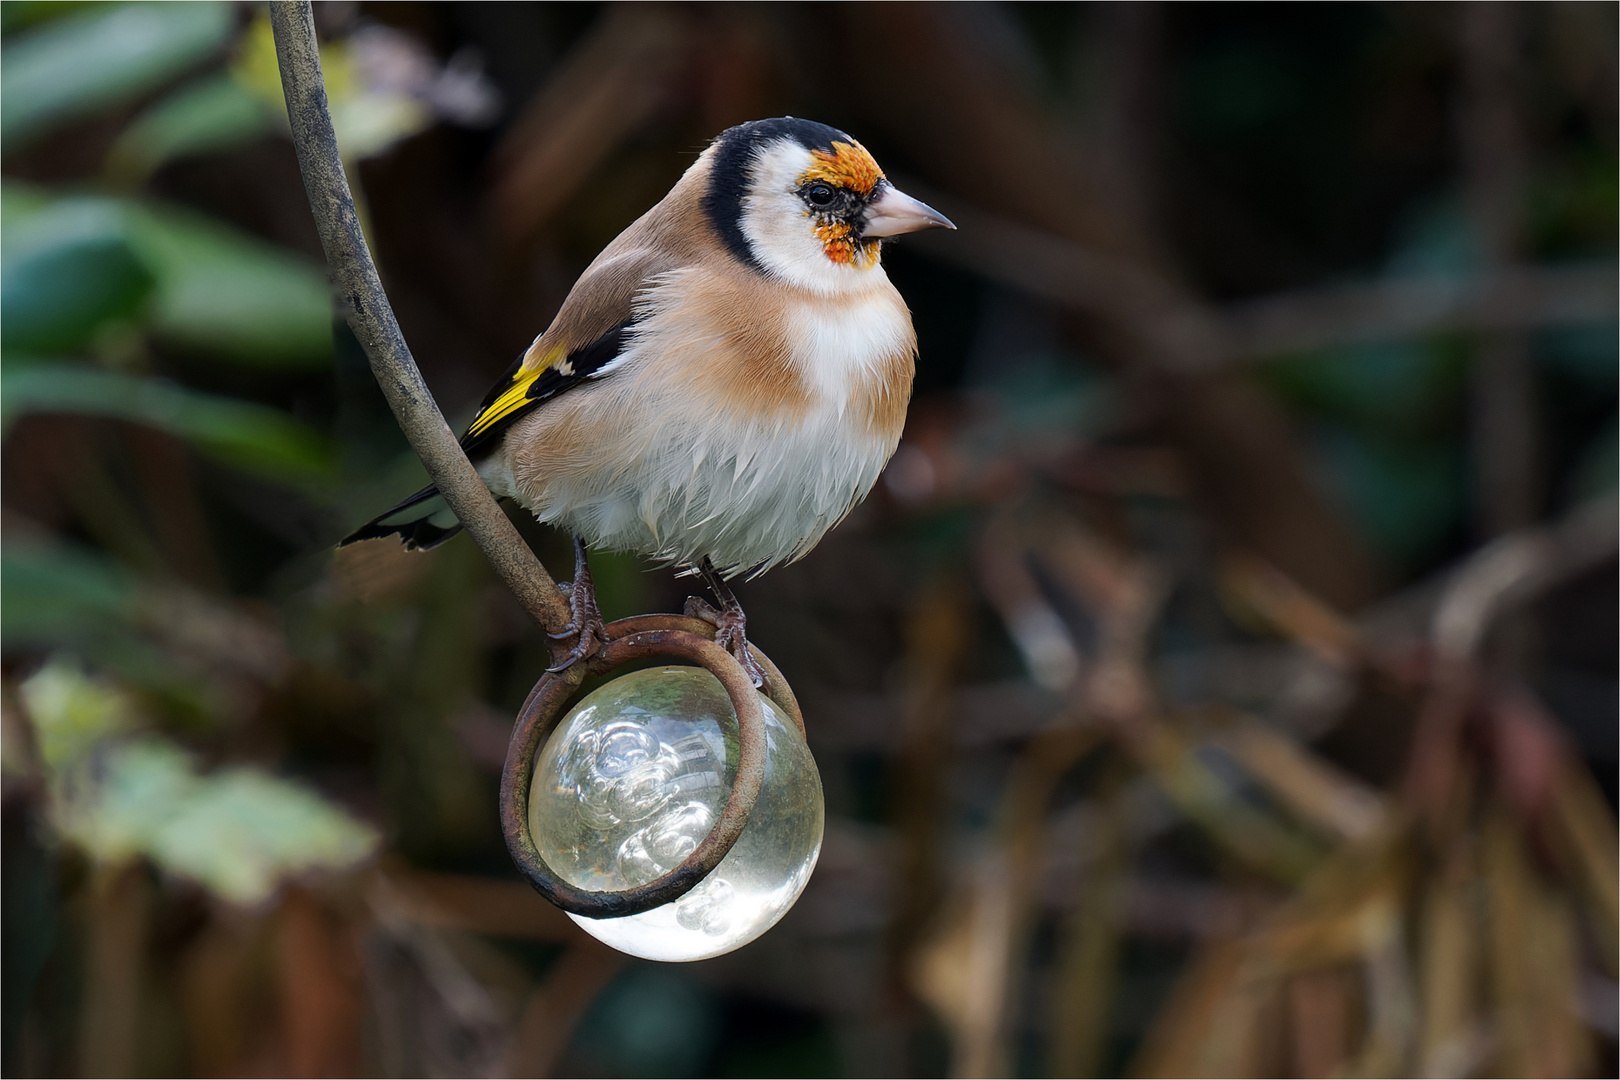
(722, 385)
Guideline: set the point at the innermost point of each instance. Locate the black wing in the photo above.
(519, 392)
(423, 520)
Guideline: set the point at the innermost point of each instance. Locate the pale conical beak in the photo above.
(894, 212)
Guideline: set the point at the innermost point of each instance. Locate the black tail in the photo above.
(423, 521)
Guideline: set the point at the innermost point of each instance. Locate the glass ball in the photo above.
(633, 779)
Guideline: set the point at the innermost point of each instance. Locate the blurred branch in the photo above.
(475, 904)
(556, 1006)
(1074, 275)
(610, 85)
(1512, 298)
(1516, 569)
(1456, 608)
(1496, 163)
(943, 76)
(969, 965)
(119, 909)
(1090, 940)
(369, 315)
(938, 637)
(1338, 804)
(1496, 580)
(1194, 338)
(321, 989)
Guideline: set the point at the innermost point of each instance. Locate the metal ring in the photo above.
(635, 639)
(776, 686)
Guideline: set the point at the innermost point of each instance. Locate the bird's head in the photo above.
(806, 203)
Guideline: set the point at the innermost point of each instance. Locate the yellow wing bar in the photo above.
(512, 398)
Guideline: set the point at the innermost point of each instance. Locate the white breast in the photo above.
(841, 347)
(685, 477)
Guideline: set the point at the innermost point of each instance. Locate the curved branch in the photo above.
(369, 315)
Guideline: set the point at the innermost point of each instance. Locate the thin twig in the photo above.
(366, 307)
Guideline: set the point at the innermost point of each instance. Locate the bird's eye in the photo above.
(820, 195)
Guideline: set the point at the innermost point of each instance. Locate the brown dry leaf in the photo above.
(1583, 829)
(1347, 907)
(1321, 1021)
(1391, 998)
(938, 636)
(1124, 594)
(1214, 1023)
(971, 973)
(1534, 976)
(1449, 968)
(118, 909)
(1253, 586)
(1088, 955)
(1005, 580)
(1226, 1017)
(962, 969)
(968, 969)
(1258, 839)
(1310, 940)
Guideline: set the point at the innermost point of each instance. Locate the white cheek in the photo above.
(782, 233)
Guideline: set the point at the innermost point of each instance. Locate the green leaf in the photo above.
(57, 594)
(215, 289)
(222, 291)
(72, 711)
(215, 113)
(239, 832)
(252, 437)
(367, 117)
(89, 60)
(68, 271)
(243, 830)
(18, 15)
(114, 810)
(64, 596)
(18, 202)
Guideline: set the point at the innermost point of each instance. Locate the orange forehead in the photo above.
(848, 165)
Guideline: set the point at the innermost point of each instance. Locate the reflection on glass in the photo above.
(633, 779)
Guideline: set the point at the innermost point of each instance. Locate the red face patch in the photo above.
(838, 241)
(850, 167)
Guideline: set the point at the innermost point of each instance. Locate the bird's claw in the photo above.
(585, 623)
(730, 633)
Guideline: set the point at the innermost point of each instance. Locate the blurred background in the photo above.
(1220, 681)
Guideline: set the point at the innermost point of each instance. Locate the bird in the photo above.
(722, 385)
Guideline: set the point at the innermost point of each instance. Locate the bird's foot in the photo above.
(585, 623)
(729, 622)
(730, 633)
